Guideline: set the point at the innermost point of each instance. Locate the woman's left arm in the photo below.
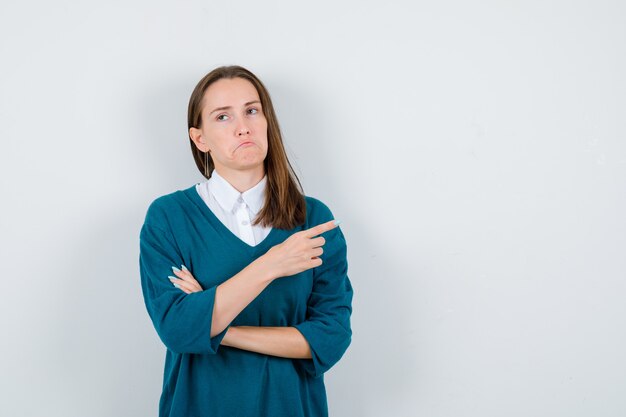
(324, 336)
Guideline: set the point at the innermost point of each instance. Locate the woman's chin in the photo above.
(250, 164)
(251, 158)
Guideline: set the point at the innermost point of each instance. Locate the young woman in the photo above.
(244, 277)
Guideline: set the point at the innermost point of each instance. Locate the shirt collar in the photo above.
(227, 195)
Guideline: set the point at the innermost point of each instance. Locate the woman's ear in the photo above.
(196, 136)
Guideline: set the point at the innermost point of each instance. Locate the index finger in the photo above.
(321, 228)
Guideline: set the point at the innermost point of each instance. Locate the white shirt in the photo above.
(234, 209)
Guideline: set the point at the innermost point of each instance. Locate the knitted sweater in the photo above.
(203, 378)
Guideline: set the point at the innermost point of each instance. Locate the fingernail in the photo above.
(337, 222)
(171, 277)
(175, 269)
(184, 267)
(176, 285)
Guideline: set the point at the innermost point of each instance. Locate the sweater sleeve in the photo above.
(182, 321)
(327, 326)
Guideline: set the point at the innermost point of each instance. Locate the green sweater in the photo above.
(202, 378)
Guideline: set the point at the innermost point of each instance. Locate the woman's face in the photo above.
(234, 128)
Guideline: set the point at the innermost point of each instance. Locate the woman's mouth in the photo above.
(244, 144)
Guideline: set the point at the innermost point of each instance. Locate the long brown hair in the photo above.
(285, 206)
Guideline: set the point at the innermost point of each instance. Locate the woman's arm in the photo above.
(286, 342)
(233, 295)
(297, 253)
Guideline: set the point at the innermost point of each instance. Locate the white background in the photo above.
(474, 151)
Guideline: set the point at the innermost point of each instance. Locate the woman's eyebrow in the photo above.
(230, 107)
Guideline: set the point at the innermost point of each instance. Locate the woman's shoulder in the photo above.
(317, 210)
(162, 205)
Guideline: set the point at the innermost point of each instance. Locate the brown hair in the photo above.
(285, 206)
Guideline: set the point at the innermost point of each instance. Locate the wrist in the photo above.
(227, 340)
(263, 270)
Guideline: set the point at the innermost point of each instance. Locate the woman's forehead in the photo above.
(228, 92)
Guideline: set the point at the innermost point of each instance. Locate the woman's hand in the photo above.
(298, 252)
(184, 280)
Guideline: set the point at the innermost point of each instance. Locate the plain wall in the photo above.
(474, 151)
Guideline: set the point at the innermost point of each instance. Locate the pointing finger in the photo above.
(321, 228)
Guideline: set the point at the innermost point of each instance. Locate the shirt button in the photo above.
(240, 200)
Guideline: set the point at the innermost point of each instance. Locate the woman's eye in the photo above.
(253, 111)
(222, 117)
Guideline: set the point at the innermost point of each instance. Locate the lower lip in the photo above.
(246, 144)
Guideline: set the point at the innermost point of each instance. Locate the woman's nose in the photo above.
(243, 130)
